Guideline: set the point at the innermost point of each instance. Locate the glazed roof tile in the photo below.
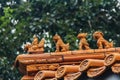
(68, 65)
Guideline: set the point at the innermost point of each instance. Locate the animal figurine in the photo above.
(60, 45)
(101, 42)
(83, 44)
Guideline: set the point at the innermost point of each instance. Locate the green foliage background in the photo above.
(21, 19)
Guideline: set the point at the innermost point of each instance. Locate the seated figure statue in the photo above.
(83, 44)
(35, 46)
(35, 43)
(27, 47)
(41, 45)
(60, 45)
(101, 42)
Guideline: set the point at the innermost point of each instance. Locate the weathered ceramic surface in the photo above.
(101, 42)
(35, 46)
(85, 63)
(60, 45)
(83, 44)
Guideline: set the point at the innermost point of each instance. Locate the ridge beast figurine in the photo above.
(83, 44)
(101, 42)
(60, 45)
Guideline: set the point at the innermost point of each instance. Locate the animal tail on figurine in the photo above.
(111, 44)
(67, 46)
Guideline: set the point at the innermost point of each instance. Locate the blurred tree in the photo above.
(21, 19)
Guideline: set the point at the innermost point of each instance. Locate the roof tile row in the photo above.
(69, 66)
